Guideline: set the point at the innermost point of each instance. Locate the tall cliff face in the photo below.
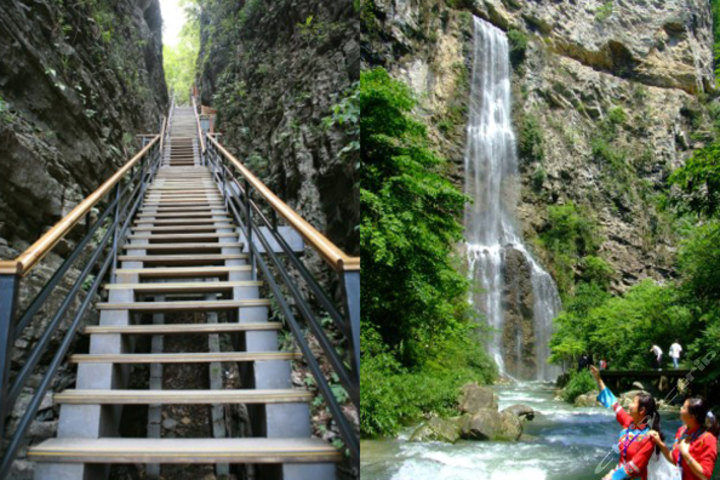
(78, 80)
(274, 70)
(606, 98)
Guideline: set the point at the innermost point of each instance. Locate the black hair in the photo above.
(699, 408)
(652, 416)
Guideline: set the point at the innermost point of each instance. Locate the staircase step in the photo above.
(182, 194)
(194, 202)
(180, 328)
(184, 450)
(176, 397)
(184, 204)
(185, 305)
(173, 190)
(204, 357)
(180, 246)
(182, 259)
(196, 208)
(180, 272)
(184, 236)
(194, 221)
(175, 287)
(152, 215)
(188, 228)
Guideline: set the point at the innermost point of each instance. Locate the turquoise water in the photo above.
(564, 443)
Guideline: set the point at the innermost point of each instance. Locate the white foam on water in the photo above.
(522, 474)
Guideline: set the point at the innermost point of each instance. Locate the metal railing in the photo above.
(119, 199)
(297, 293)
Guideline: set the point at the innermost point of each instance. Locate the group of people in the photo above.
(692, 453)
(675, 351)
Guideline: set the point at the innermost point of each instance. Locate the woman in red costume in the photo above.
(636, 445)
(695, 448)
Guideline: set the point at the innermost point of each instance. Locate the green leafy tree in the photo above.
(412, 292)
(179, 61)
(420, 339)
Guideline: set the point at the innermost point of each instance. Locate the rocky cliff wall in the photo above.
(78, 81)
(607, 100)
(274, 70)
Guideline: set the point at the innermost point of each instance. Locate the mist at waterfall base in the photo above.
(491, 180)
(561, 443)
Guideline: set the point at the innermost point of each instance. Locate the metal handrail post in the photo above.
(223, 187)
(351, 284)
(116, 222)
(248, 229)
(8, 297)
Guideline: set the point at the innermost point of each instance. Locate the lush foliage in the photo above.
(518, 41)
(579, 383)
(699, 181)
(419, 335)
(571, 240)
(715, 4)
(622, 328)
(530, 140)
(179, 61)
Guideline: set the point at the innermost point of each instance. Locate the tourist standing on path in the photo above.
(657, 351)
(675, 350)
(695, 448)
(636, 446)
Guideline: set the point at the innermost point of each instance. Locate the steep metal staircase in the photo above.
(187, 250)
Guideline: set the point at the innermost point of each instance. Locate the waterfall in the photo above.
(491, 180)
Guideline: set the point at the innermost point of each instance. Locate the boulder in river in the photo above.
(474, 398)
(523, 412)
(437, 429)
(587, 399)
(626, 399)
(489, 424)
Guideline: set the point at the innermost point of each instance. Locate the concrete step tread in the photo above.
(202, 357)
(181, 258)
(181, 245)
(181, 328)
(187, 228)
(184, 450)
(182, 286)
(183, 236)
(139, 397)
(206, 210)
(178, 272)
(184, 305)
(196, 221)
(209, 203)
(181, 214)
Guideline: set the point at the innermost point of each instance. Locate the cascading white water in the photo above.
(491, 180)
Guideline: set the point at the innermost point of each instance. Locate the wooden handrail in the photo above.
(337, 259)
(197, 122)
(22, 264)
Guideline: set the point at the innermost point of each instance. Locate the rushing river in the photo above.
(564, 443)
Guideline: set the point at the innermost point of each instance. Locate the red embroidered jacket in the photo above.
(636, 446)
(703, 449)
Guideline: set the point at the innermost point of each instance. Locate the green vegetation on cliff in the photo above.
(622, 328)
(418, 332)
